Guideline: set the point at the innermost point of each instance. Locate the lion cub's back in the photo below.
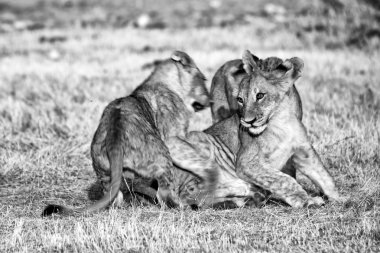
(132, 118)
(227, 131)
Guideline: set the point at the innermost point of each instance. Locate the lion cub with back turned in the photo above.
(130, 139)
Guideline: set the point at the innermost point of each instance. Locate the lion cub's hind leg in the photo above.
(162, 171)
(193, 156)
(166, 189)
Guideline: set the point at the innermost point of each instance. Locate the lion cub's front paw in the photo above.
(314, 202)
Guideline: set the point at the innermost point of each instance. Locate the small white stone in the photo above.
(54, 55)
(215, 4)
(143, 21)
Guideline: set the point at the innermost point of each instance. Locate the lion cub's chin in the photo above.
(257, 130)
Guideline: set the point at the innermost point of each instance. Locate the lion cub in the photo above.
(264, 136)
(131, 136)
(271, 135)
(225, 86)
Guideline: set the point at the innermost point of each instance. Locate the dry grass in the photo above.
(52, 96)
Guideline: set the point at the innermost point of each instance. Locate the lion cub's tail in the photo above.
(115, 155)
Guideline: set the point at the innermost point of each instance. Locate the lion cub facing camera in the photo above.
(264, 136)
(271, 135)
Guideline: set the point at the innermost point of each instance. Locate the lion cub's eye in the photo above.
(259, 95)
(240, 100)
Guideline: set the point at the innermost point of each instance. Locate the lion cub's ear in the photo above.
(183, 58)
(297, 67)
(249, 62)
(290, 69)
(237, 71)
(288, 72)
(235, 75)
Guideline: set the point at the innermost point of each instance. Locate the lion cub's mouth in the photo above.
(255, 129)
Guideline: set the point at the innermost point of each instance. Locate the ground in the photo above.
(52, 94)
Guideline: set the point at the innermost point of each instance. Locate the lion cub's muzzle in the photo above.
(254, 126)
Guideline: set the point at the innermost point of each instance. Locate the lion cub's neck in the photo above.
(168, 76)
(169, 111)
(283, 118)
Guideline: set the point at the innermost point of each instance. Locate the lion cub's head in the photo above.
(261, 92)
(191, 80)
(182, 75)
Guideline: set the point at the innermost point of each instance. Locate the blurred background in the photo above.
(328, 24)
